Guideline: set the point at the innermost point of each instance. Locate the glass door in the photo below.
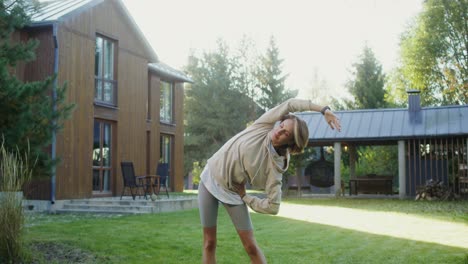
(165, 154)
(102, 157)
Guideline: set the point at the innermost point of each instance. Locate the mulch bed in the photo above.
(50, 252)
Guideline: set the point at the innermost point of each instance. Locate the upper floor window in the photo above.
(166, 102)
(105, 85)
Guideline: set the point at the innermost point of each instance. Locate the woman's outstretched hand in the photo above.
(332, 120)
(239, 188)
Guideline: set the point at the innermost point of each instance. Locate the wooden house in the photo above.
(129, 105)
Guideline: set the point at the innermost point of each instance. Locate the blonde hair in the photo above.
(300, 133)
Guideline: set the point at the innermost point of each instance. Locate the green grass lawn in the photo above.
(177, 237)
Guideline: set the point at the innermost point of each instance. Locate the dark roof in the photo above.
(51, 12)
(57, 10)
(389, 124)
(167, 71)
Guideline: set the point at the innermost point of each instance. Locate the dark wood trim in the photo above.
(170, 130)
(149, 124)
(148, 101)
(148, 152)
(106, 112)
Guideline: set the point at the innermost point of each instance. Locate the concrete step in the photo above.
(88, 211)
(127, 206)
(111, 202)
(94, 207)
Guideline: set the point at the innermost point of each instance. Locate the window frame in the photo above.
(104, 81)
(161, 106)
(102, 167)
(165, 157)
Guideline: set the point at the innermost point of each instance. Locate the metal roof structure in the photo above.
(167, 71)
(55, 11)
(389, 124)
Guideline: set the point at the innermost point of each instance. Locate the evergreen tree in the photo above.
(27, 109)
(270, 79)
(243, 78)
(215, 107)
(367, 87)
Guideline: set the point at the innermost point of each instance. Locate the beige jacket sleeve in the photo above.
(270, 204)
(289, 106)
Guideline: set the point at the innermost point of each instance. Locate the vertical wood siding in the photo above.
(176, 130)
(436, 159)
(76, 39)
(75, 142)
(178, 166)
(39, 69)
(77, 44)
(155, 86)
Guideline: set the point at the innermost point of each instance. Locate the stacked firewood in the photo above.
(435, 190)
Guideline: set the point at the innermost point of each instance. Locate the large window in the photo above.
(165, 154)
(102, 150)
(105, 86)
(166, 102)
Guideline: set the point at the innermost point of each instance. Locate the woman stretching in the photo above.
(258, 155)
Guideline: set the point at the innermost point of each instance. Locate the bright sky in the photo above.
(322, 35)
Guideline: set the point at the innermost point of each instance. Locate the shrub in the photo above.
(14, 172)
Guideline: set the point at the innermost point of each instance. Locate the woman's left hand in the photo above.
(239, 188)
(332, 120)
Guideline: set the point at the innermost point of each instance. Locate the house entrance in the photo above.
(102, 158)
(165, 154)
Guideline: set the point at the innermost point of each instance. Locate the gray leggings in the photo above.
(208, 205)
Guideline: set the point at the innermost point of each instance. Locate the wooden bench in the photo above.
(375, 184)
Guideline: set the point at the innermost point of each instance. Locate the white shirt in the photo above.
(225, 196)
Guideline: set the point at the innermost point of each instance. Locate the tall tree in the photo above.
(243, 78)
(367, 85)
(271, 80)
(318, 90)
(215, 107)
(434, 53)
(28, 117)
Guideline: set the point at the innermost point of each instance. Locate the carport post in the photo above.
(401, 169)
(337, 186)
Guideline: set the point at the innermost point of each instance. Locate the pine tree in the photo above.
(271, 80)
(28, 118)
(215, 106)
(367, 87)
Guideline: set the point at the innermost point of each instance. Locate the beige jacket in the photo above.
(249, 156)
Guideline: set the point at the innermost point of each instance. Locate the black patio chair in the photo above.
(163, 172)
(130, 180)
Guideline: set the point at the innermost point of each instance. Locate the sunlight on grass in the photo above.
(392, 224)
(176, 237)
